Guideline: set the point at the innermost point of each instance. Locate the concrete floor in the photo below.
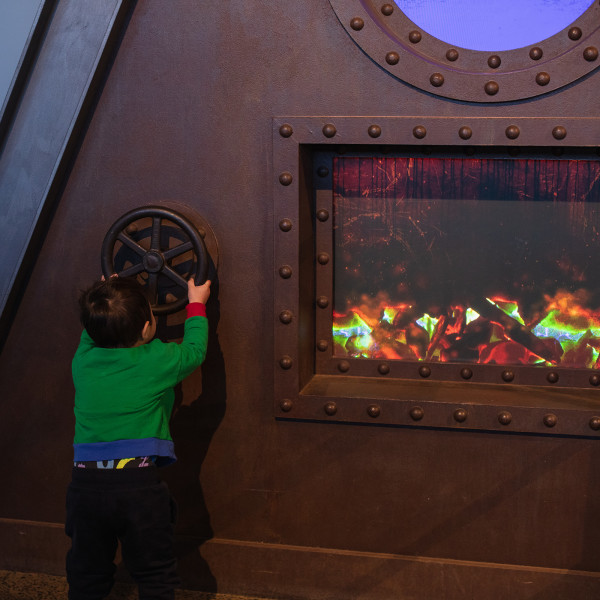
(36, 586)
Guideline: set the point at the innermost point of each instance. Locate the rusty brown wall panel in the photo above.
(186, 115)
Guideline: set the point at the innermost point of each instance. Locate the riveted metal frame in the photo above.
(399, 46)
(309, 382)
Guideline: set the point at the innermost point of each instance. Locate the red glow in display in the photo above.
(467, 260)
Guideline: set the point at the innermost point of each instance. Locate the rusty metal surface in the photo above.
(451, 405)
(191, 112)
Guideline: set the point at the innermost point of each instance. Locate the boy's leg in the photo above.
(90, 566)
(147, 542)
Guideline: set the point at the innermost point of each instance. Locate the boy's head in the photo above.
(116, 313)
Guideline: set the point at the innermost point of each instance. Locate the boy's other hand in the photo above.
(198, 293)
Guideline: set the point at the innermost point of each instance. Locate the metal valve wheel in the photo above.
(160, 247)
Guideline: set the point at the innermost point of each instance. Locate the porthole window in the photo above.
(474, 52)
(493, 27)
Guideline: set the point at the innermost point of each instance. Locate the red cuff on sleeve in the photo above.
(195, 309)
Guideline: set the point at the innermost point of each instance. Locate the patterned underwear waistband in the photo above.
(117, 463)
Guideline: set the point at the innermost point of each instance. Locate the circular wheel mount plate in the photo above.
(162, 248)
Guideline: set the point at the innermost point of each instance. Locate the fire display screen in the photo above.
(467, 260)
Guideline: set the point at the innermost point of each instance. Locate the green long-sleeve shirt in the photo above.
(124, 396)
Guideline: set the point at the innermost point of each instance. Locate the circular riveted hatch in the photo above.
(447, 69)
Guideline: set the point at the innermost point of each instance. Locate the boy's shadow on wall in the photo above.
(200, 402)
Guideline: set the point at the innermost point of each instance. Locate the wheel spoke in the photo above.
(153, 287)
(133, 270)
(176, 277)
(177, 250)
(131, 244)
(155, 241)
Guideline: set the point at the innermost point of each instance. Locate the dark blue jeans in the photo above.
(130, 505)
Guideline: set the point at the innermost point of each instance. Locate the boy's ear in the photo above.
(146, 330)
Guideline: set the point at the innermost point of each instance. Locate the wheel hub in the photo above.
(153, 261)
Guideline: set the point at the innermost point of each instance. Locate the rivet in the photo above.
(374, 411)
(392, 58)
(383, 369)
(494, 61)
(416, 413)
(343, 366)
(512, 132)
(491, 88)
(286, 362)
(550, 420)
(504, 418)
(419, 132)
(286, 405)
(508, 375)
(285, 271)
(286, 130)
(560, 133)
(595, 423)
(595, 379)
(286, 178)
(322, 345)
(285, 225)
(202, 232)
(452, 55)
(536, 53)
(466, 373)
(387, 9)
(542, 78)
(329, 130)
(574, 33)
(424, 371)
(590, 53)
(286, 316)
(323, 258)
(322, 302)
(437, 80)
(465, 132)
(322, 171)
(374, 131)
(357, 23)
(552, 377)
(460, 415)
(414, 37)
(322, 215)
(330, 408)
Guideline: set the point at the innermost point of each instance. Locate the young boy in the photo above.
(123, 401)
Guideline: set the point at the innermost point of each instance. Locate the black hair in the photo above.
(114, 312)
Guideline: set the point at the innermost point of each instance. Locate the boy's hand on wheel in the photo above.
(198, 293)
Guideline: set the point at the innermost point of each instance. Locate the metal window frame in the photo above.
(309, 384)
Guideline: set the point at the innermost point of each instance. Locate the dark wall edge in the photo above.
(33, 225)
